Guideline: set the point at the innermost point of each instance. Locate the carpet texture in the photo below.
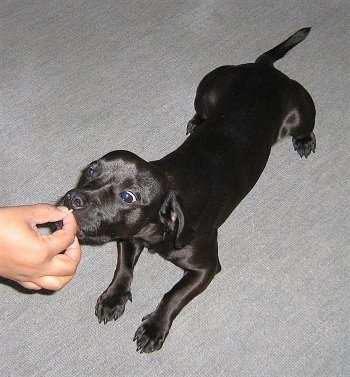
(81, 78)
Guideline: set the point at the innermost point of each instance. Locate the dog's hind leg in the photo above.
(304, 146)
(193, 123)
(303, 138)
(299, 123)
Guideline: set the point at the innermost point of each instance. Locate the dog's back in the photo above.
(251, 89)
(240, 113)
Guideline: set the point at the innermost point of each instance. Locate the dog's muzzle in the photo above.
(75, 200)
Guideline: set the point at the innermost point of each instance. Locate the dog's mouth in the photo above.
(85, 236)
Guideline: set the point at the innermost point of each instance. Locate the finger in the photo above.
(70, 223)
(63, 238)
(59, 272)
(74, 251)
(65, 264)
(46, 213)
(29, 285)
(54, 283)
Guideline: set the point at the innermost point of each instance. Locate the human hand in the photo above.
(37, 260)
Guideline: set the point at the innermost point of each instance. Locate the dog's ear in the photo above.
(173, 218)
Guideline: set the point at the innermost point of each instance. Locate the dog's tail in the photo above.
(279, 51)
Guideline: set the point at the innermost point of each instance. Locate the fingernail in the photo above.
(64, 209)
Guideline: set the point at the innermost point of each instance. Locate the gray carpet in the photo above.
(81, 78)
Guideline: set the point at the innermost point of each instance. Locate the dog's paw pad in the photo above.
(190, 127)
(304, 146)
(150, 337)
(193, 123)
(111, 307)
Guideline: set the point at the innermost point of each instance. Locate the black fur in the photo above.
(175, 205)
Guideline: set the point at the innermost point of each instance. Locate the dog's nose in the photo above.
(75, 200)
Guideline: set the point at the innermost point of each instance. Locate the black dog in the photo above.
(175, 205)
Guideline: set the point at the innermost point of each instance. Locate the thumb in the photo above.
(63, 238)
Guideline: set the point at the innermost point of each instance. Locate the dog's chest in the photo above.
(167, 251)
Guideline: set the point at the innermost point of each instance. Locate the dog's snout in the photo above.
(75, 200)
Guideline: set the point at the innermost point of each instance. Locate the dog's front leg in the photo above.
(111, 304)
(155, 327)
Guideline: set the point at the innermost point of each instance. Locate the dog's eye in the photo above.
(90, 171)
(128, 197)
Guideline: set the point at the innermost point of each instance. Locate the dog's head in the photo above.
(121, 196)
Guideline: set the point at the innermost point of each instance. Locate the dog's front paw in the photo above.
(111, 306)
(304, 146)
(151, 335)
